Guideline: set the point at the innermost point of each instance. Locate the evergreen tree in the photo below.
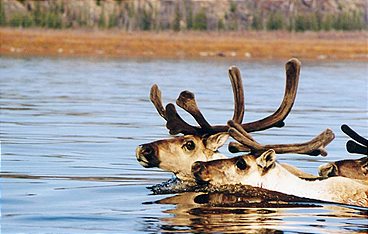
(275, 21)
(2, 14)
(200, 21)
(177, 19)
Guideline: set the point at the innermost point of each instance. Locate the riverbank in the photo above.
(183, 45)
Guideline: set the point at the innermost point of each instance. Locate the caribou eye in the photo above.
(241, 164)
(189, 145)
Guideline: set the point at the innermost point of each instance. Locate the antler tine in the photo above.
(176, 124)
(238, 133)
(186, 100)
(155, 96)
(355, 148)
(235, 147)
(240, 129)
(314, 147)
(354, 135)
(359, 145)
(238, 91)
(277, 119)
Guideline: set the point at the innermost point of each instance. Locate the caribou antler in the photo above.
(186, 100)
(292, 68)
(359, 144)
(175, 123)
(314, 147)
(155, 96)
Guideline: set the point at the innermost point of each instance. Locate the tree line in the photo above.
(127, 16)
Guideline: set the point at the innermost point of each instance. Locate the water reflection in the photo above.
(230, 213)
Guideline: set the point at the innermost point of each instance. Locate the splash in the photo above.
(174, 185)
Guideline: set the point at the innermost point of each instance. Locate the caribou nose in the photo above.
(199, 173)
(147, 155)
(147, 150)
(197, 167)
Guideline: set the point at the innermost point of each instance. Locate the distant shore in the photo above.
(184, 45)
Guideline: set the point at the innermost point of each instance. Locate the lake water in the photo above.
(69, 129)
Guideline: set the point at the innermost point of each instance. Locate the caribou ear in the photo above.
(328, 170)
(266, 160)
(215, 141)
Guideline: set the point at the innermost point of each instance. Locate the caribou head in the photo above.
(234, 170)
(260, 169)
(264, 171)
(201, 143)
(177, 154)
(196, 142)
(351, 168)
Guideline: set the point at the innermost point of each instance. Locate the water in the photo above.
(69, 128)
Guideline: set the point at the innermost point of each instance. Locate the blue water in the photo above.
(69, 129)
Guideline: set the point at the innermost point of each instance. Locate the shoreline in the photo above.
(184, 45)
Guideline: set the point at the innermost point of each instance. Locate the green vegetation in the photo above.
(315, 22)
(233, 7)
(189, 17)
(350, 21)
(307, 22)
(102, 20)
(347, 21)
(2, 14)
(177, 19)
(113, 21)
(200, 21)
(184, 15)
(145, 22)
(257, 22)
(220, 24)
(275, 21)
(19, 20)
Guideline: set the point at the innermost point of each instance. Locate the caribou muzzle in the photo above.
(200, 173)
(147, 155)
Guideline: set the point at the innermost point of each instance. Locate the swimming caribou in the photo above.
(201, 143)
(262, 170)
(352, 168)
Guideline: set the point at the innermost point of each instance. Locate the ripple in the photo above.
(69, 128)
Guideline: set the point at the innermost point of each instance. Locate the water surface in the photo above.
(69, 128)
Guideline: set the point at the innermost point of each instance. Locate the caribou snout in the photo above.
(147, 155)
(200, 173)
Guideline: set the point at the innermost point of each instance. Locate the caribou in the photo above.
(201, 143)
(260, 169)
(352, 168)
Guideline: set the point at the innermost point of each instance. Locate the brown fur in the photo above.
(177, 156)
(265, 172)
(351, 168)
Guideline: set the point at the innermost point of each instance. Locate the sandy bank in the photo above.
(184, 45)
